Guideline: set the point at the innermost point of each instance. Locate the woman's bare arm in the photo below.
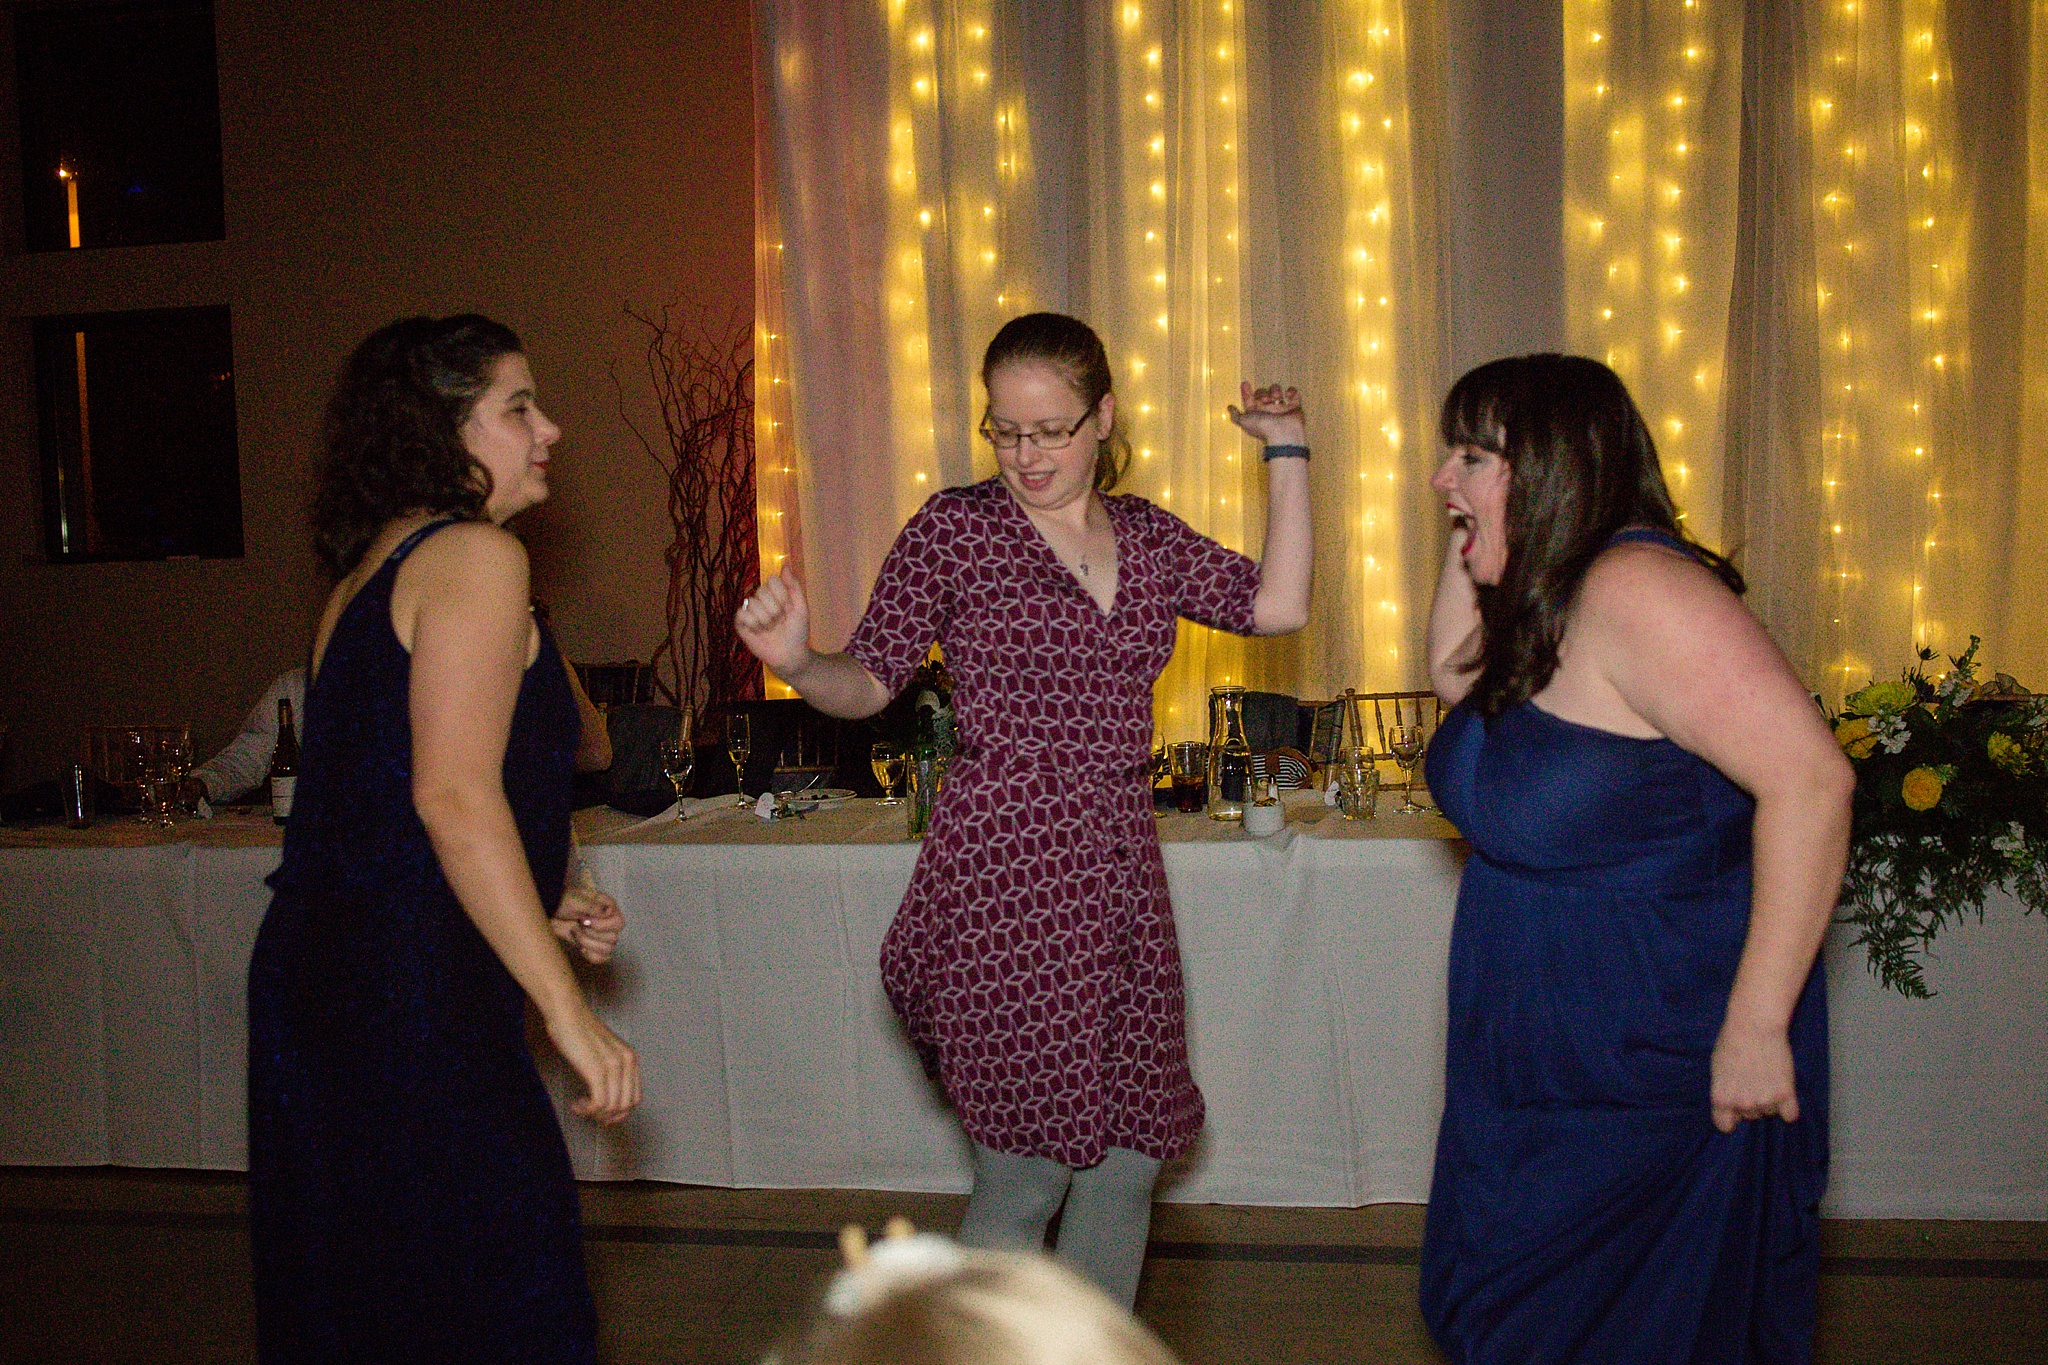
(469, 630)
(593, 738)
(1287, 564)
(1687, 658)
(1455, 634)
(775, 623)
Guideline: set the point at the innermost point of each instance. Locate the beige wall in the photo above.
(544, 163)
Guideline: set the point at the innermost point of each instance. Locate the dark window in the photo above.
(138, 431)
(120, 125)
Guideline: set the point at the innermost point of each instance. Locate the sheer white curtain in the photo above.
(1225, 189)
(1652, 119)
(1856, 300)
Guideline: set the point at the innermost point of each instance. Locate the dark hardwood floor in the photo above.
(150, 1267)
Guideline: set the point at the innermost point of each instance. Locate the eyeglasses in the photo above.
(1003, 438)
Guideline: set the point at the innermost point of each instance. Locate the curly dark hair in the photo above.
(1581, 466)
(1071, 344)
(393, 432)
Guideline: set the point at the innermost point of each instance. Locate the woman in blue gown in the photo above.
(410, 1194)
(1634, 1138)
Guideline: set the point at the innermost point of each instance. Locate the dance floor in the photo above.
(150, 1268)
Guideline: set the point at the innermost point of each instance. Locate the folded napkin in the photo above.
(691, 808)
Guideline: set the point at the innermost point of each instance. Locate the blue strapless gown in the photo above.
(1584, 1207)
(410, 1194)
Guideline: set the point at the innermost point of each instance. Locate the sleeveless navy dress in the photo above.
(410, 1194)
(1584, 1207)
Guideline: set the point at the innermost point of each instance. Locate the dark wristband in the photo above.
(1272, 453)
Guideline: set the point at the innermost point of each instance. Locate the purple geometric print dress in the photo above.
(1033, 961)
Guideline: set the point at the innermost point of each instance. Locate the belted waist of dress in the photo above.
(1035, 759)
(1685, 876)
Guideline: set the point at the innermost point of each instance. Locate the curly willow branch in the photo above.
(700, 377)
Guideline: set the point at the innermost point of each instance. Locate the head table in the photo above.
(748, 984)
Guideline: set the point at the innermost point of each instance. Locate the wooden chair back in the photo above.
(1425, 709)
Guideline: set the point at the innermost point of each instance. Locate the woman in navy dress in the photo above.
(1033, 961)
(410, 1194)
(1634, 1138)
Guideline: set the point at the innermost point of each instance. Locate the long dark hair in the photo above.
(1071, 344)
(393, 432)
(1581, 466)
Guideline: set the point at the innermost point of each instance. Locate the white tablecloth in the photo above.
(1315, 979)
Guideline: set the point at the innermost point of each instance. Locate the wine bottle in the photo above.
(284, 763)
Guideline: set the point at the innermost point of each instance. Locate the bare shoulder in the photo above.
(469, 557)
(1640, 587)
(471, 571)
(477, 546)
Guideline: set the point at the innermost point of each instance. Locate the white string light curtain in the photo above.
(1804, 303)
(1652, 131)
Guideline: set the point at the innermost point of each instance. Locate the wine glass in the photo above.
(174, 763)
(139, 766)
(679, 760)
(887, 761)
(739, 742)
(1405, 743)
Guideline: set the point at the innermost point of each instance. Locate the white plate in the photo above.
(820, 798)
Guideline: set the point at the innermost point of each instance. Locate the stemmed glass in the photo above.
(1405, 743)
(158, 760)
(679, 760)
(887, 761)
(739, 742)
(174, 764)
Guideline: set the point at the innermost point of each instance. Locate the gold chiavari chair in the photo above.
(1424, 709)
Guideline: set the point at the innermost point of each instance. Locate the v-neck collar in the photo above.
(1049, 560)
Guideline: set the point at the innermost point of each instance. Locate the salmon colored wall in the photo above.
(542, 163)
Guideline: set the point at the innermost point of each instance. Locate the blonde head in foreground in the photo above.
(951, 1306)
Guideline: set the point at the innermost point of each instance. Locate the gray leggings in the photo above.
(1102, 1233)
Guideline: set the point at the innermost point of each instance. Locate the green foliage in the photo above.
(1982, 749)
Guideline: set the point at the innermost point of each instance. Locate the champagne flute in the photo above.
(739, 742)
(1405, 743)
(679, 760)
(887, 761)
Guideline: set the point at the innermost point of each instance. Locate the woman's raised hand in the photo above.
(775, 623)
(1273, 414)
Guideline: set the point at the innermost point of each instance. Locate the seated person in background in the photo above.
(593, 740)
(917, 1297)
(238, 771)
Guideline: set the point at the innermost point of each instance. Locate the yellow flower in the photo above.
(1921, 789)
(1882, 698)
(1855, 738)
(2006, 752)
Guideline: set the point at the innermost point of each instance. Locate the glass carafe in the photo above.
(1230, 755)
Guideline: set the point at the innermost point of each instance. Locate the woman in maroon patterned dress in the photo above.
(1033, 961)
